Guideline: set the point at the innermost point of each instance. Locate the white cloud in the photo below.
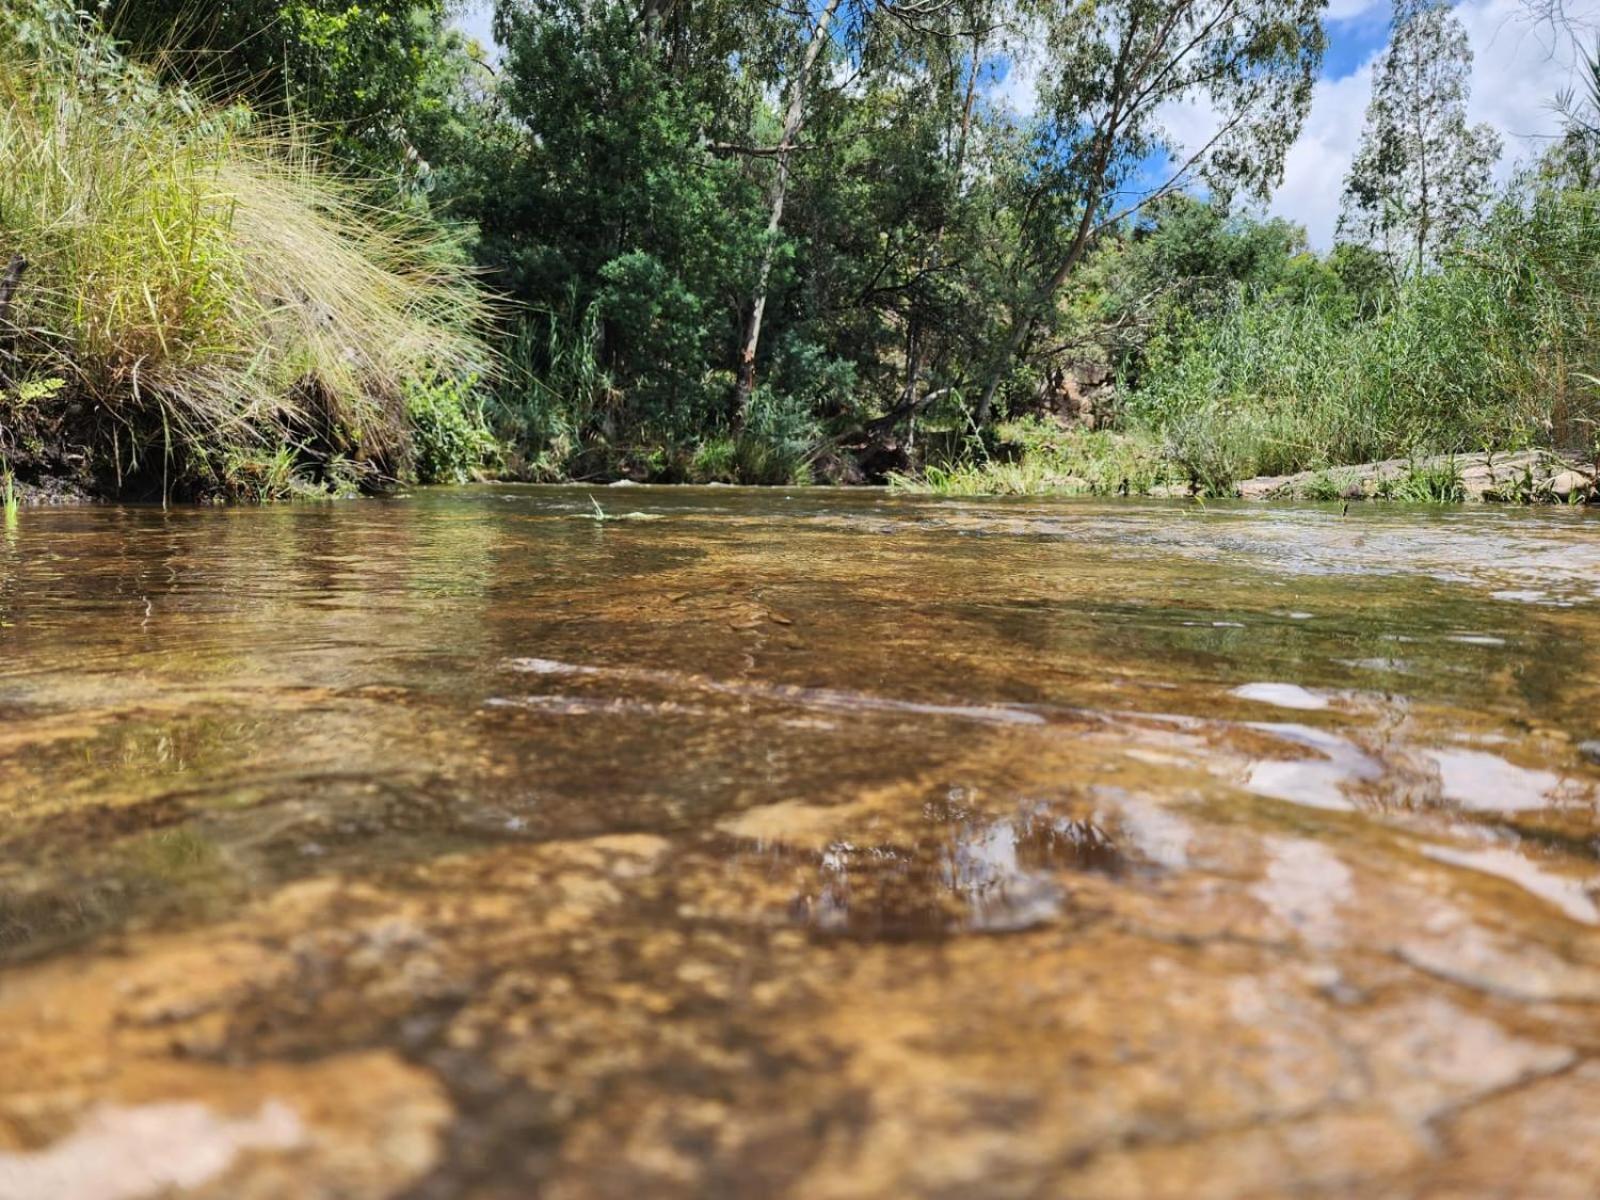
(1314, 171)
(1519, 69)
(1023, 50)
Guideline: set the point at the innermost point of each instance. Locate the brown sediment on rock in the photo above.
(492, 874)
(1256, 1044)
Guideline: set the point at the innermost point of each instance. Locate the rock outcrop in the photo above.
(1532, 476)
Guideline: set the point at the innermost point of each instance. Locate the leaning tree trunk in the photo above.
(1025, 320)
(793, 117)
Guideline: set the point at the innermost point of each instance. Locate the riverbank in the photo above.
(1527, 478)
(1033, 459)
(223, 314)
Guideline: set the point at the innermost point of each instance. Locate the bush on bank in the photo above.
(204, 309)
(1496, 350)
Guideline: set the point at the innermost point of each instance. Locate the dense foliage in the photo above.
(753, 243)
(198, 308)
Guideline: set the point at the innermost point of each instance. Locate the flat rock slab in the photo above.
(1528, 476)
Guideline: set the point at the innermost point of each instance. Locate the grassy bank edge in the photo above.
(1037, 459)
(203, 307)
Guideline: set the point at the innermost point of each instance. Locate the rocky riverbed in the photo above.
(799, 845)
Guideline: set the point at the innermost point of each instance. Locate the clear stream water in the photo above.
(798, 843)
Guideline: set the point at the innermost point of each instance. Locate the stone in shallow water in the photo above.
(1571, 896)
(1283, 695)
(122, 1153)
(1484, 782)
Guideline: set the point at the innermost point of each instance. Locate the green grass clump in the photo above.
(8, 500)
(450, 435)
(1048, 460)
(1326, 486)
(1426, 483)
(200, 285)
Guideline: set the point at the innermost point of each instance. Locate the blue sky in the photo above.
(1519, 69)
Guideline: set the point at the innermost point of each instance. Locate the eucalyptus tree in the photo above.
(955, 58)
(813, 36)
(1121, 75)
(1421, 174)
(881, 70)
(878, 265)
(379, 77)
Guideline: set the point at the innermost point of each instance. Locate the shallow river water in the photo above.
(798, 844)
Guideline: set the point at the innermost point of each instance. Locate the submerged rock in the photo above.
(837, 846)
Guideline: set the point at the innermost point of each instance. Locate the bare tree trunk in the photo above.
(793, 118)
(1422, 164)
(914, 341)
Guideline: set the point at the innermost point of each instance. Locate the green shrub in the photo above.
(1495, 350)
(1427, 483)
(1050, 460)
(213, 291)
(449, 436)
(776, 442)
(715, 460)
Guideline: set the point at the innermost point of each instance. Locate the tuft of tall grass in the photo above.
(1426, 483)
(199, 282)
(1048, 460)
(554, 388)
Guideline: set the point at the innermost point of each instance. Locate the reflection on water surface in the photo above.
(808, 844)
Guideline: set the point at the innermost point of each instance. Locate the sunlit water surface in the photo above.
(803, 844)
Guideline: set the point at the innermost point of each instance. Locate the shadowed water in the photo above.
(807, 844)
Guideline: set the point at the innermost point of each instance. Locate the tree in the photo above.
(610, 208)
(377, 76)
(1421, 174)
(963, 59)
(886, 206)
(1118, 71)
(1184, 263)
(816, 38)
